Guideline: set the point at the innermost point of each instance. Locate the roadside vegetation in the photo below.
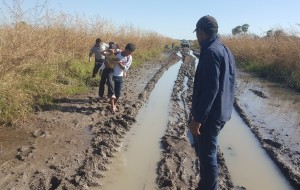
(44, 55)
(275, 56)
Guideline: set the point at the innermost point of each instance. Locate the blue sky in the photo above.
(177, 19)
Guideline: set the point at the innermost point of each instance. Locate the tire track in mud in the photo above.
(178, 168)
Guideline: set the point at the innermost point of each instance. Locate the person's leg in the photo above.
(206, 149)
(102, 82)
(96, 68)
(118, 87)
(112, 103)
(110, 82)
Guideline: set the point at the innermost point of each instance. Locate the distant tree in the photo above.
(280, 33)
(270, 33)
(245, 28)
(237, 30)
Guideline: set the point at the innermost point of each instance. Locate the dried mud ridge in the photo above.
(178, 168)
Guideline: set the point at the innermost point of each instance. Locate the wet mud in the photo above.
(272, 113)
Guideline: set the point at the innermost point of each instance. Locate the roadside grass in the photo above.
(33, 87)
(275, 58)
(45, 57)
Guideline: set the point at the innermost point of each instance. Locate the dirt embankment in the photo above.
(69, 145)
(178, 168)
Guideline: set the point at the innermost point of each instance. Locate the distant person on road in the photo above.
(212, 100)
(108, 69)
(99, 59)
(120, 69)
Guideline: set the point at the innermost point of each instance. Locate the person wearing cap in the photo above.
(212, 100)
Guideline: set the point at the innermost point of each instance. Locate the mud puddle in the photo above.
(12, 139)
(249, 165)
(134, 167)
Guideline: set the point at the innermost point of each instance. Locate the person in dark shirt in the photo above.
(99, 59)
(212, 100)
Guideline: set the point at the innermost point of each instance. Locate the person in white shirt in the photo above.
(108, 70)
(120, 69)
(99, 59)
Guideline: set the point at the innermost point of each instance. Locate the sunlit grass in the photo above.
(276, 58)
(45, 56)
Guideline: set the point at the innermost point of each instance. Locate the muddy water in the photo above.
(278, 115)
(10, 140)
(134, 167)
(248, 164)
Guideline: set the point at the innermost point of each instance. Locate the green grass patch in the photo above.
(39, 84)
(275, 72)
(142, 57)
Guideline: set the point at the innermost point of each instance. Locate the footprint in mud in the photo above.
(258, 93)
(25, 152)
(273, 143)
(39, 133)
(231, 151)
(38, 181)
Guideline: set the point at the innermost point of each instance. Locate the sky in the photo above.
(177, 19)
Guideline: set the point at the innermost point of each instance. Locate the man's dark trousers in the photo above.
(97, 65)
(107, 77)
(206, 148)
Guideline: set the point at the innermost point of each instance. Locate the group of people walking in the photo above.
(113, 64)
(213, 91)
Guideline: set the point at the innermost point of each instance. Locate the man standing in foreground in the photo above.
(213, 97)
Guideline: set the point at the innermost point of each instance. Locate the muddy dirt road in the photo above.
(71, 145)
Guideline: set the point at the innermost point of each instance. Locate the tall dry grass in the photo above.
(43, 54)
(277, 58)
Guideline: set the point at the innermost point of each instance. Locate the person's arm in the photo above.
(121, 64)
(91, 54)
(128, 63)
(116, 51)
(106, 52)
(211, 66)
